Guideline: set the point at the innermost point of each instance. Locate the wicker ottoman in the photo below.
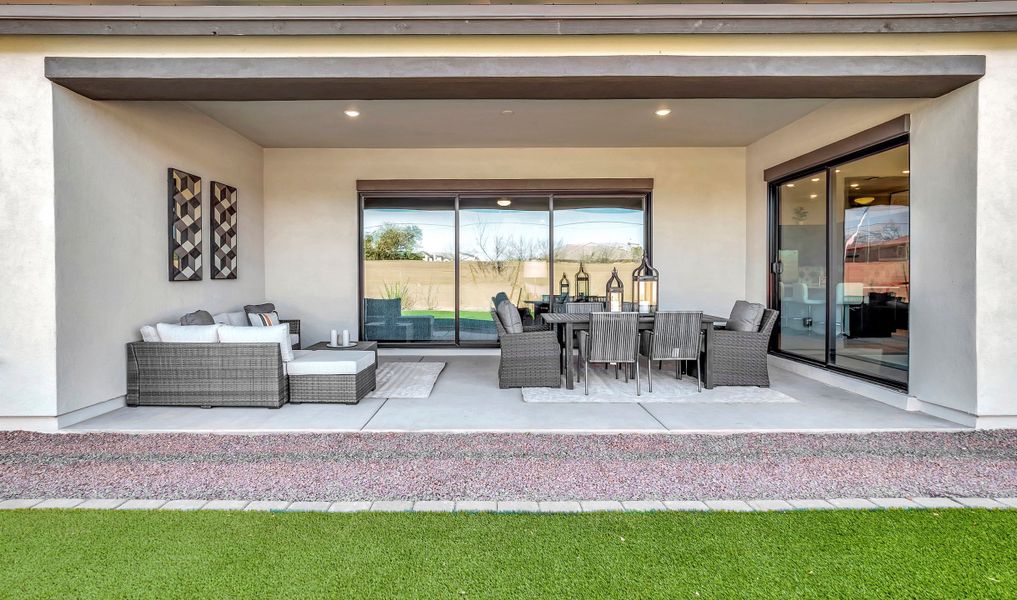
(331, 377)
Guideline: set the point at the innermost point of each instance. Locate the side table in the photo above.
(363, 346)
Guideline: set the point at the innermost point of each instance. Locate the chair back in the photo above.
(583, 307)
(676, 334)
(382, 309)
(614, 337)
(498, 324)
(769, 320)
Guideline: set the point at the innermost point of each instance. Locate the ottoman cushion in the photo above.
(330, 362)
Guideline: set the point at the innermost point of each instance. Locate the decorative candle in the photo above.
(335, 338)
(346, 337)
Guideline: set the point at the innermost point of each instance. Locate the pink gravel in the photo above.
(359, 466)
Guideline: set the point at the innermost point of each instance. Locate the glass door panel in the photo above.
(602, 232)
(870, 264)
(802, 280)
(504, 246)
(409, 269)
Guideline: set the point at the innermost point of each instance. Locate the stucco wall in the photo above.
(311, 206)
(111, 226)
(28, 268)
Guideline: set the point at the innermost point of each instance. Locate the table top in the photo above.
(361, 345)
(564, 318)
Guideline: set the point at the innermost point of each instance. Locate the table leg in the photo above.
(569, 366)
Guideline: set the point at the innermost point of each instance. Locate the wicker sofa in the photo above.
(206, 375)
(739, 357)
(528, 359)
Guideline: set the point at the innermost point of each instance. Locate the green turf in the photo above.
(836, 554)
(478, 315)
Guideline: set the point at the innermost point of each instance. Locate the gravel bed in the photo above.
(420, 466)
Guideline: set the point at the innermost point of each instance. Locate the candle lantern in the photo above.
(563, 286)
(644, 286)
(582, 283)
(615, 293)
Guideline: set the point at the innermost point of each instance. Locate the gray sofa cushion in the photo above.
(499, 298)
(509, 316)
(255, 309)
(745, 316)
(198, 317)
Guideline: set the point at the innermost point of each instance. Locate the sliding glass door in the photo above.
(432, 263)
(504, 244)
(841, 264)
(408, 271)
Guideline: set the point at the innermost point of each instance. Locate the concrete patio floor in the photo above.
(466, 398)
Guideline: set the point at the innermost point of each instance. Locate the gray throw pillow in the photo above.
(257, 309)
(499, 298)
(509, 316)
(198, 317)
(745, 316)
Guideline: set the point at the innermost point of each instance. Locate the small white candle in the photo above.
(346, 337)
(334, 340)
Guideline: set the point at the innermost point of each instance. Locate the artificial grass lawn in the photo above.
(835, 554)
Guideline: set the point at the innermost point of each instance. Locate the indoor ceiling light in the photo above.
(854, 185)
(906, 171)
(813, 195)
(865, 200)
(507, 112)
(504, 202)
(352, 113)
(662, 112)
(815, 179)
(790, 185)
(836, 170)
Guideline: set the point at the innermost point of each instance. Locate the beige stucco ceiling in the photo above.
(531, 123)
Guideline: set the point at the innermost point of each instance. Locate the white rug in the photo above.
(605, 388)
(406, 379)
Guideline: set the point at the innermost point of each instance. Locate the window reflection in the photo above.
(872, 235)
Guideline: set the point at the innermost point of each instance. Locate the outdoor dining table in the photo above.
(572, 322)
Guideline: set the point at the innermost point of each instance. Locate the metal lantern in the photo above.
(563, 286)
(615, 293)
(582, 283)
(644, 286)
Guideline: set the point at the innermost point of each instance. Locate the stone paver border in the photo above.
(517, 506)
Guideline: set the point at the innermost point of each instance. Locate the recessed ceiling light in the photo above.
(352, 113)
(508, 112)
(854, 185)
(836, 170)
(662, 112)
(906, 171)
(815, 179)
(504, 202)
(813, 195)
(790, 185)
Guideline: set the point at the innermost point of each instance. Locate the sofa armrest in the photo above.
(536, 343)
(293, 323)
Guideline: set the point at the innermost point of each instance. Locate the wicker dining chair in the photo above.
(739, 357)
(583, 307)
(613, 338)
(677, 336)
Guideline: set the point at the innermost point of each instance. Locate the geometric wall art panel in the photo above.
(184, 226)
(224, 231)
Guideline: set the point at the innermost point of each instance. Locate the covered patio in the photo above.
(325, 153)
(465, 398)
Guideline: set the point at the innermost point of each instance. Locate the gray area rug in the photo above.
(406, 379)
(605, 388)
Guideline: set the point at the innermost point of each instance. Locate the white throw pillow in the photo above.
(269, 319)
(279, 334)
(221, 319)
(195, 334)
(149, 334)
(238, 318)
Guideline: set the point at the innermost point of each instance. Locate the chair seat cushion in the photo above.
(279, 334)
(329, 362)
